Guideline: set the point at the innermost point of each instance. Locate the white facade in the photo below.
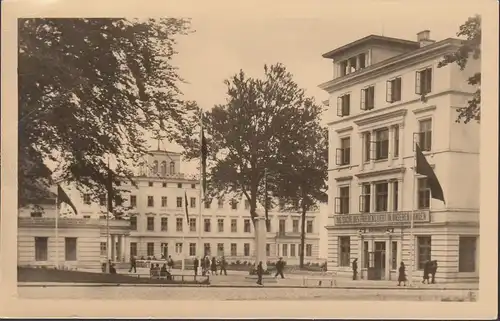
(371, 159)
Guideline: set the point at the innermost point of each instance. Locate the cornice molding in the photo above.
(397, 170)
(424, 109)
(399, 113)
(343, 178)
(343, 130)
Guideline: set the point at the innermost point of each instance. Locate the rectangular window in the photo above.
(424, 250)
(192, 202)
(234, 204)
(425, 135)
(164, 224)
(396, 141)
(285, 250)
(246, 226)
(179, 185)
(342, 202)
(150, 184)
(292, 250)
(206, 249)
(309, 250)
(368, 98)
(394, 265)
(133, 249)
(192, 224)
(395, 192)
(423, 81)
(344, 105)
(246, 249)
(151, 201)
(179, 202)
(41, 248)
(163, 184)
(343, 154)
(382, 144)
(193, 185)
(467, 254)
(70, 249)
(133, 223)
(150, 223)
(247, 204)
(220, 225)
(345, 250)
(178, 248)
(381, 197)
(87, 199)
(206, 225)
(207, 204)
(178, 224)
(234, 225)
(220, 203)
(393, 90)
(192, 249)
(150, 249)
(309, 227)
(103, 248)
(295, 226)
(164, 250)
(220, 249)
(163, 201)
(133, 201)
(424, 194)
(364, 198)
(282, 226)
(234, 249)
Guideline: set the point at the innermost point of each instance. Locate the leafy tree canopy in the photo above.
(90, 89)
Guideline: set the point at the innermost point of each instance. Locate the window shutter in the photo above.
(417, 83)
(347, 155)
(398, 89)
(339, 106)
(363, 99)
(428, 81)
(337, 205)
(347, 110)
(338, 156)
(361, 202)
(388, 92)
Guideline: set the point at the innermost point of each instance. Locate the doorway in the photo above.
(379, 260)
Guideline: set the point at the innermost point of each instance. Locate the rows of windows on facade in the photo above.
(376, 147)
(284, 250)
(466, 252)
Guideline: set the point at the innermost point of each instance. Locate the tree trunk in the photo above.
(302, 235)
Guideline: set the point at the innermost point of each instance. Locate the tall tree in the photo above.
(245, 137)
(90, 89)
(304, 174)
(470, 48)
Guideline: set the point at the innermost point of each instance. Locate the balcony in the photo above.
(381, 219)
(287, 235)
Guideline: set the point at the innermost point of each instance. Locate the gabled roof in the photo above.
(372, 40)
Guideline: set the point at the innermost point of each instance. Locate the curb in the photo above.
(235, 286)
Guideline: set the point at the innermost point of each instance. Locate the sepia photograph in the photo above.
(246, 157)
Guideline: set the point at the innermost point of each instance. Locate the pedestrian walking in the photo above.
(280, 266)
(213, 265)
(433, 270)
(260, 272)
(133, 264)
(427, 267)
(196, 263)
(402, 274)
(223, 264)
(355, 269)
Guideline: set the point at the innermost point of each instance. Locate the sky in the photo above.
(222, 45)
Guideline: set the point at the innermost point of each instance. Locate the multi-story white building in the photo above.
(386, 94)
(159, 227)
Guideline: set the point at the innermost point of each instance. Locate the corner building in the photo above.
(386, 94)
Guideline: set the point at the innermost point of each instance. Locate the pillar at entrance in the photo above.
(260, 241)
(388, 259)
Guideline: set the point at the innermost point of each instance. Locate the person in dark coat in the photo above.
(355, 269)
(433, 270)
(402, 274)
(260, 272)
(196, 263)
(170, 263)
(427, 267)
(133, 265)
(280, 266)
(214, 266)
(163, 270)
(223, 264)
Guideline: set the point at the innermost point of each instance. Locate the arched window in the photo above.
(155, 167)
(172, 167)
(163, 168)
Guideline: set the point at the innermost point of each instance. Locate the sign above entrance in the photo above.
(373, 219)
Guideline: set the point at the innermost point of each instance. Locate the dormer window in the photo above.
(163, 168)
(172, 168)
(354, 64)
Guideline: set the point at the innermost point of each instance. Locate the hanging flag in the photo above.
(424, 168)
(186, 206)
(204, 154)
(62, 197)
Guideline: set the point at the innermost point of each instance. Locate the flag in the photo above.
(62, 197)
(423, 168)
(204, 154)
(186, 206)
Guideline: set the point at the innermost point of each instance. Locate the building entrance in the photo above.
(376, 268)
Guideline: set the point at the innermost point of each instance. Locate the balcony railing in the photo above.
(287, 234)
(387, 218)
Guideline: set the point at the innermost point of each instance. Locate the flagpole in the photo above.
(57, 230)
(412, 241)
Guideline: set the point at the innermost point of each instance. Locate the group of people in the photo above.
(155, 271)
(209, 266)
(430, 269)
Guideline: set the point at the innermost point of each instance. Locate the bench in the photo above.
(327, 278)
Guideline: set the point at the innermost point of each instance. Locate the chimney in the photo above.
(423, 37)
